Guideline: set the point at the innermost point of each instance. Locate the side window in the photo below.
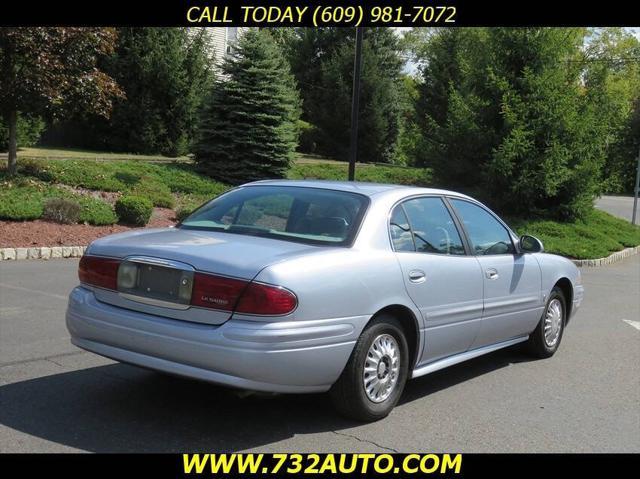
(432, 226)
(401, 231)
(487, 235)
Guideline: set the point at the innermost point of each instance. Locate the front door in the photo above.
(442, 280)
(513, 300)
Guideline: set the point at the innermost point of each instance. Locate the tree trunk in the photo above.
(12, 123)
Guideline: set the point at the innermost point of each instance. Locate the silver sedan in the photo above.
(311, 286)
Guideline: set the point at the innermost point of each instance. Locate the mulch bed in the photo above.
(26, 234)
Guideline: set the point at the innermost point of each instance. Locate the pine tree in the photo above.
(505, 115)
(248, 129)
(552, 146)
(163, 72)
(322, 62)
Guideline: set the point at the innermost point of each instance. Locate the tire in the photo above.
(349, 395)
(545, 346)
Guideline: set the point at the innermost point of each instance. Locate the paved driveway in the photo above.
(621, 206)
(56, 398)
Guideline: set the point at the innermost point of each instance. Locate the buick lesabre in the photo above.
(310, 286)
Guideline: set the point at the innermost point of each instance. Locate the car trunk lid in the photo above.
(166, 257)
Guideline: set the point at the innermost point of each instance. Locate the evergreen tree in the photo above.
(455, 119)
(163, 72)
(510, 118)
(322, 62)
(551, 147)
(248, 129)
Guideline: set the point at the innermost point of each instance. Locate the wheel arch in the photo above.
(410, 326)
(567, 290)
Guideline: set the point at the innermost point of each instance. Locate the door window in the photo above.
(401, 231)
(487, 235)
(432, 227)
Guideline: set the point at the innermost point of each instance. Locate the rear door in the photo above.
(442, 280)
(512, 281)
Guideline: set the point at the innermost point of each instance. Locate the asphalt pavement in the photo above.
(57, 398)
(621, 206)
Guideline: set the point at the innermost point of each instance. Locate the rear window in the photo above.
(306, 215)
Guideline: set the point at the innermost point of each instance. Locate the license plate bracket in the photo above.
(156, 282)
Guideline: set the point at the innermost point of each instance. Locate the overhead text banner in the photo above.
(317, 13)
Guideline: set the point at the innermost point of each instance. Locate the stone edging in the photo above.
(77, 251)
(612, 258)
(43, 252)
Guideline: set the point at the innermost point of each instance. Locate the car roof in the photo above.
(364, 188)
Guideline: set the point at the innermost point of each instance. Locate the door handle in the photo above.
(492, 273)
(417, 276)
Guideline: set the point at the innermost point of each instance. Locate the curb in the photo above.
(42, 252)
(612, 258)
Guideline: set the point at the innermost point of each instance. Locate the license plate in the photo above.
(156, 282)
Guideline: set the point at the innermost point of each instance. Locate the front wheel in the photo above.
(545, 340)
(374, 378)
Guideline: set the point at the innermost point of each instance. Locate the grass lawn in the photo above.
(46, 153)
(177, 185)
(306, 168)
(596, 236)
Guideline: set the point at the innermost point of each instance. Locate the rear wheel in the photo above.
(545, 340)
(374, 378)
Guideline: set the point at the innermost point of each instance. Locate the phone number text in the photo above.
(323, 15)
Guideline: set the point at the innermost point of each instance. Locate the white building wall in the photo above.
(220, 40)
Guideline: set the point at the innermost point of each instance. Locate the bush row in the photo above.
(30, 200)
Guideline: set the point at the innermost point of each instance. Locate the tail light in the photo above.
(245, 297)
(101, 272)
(261, 298)
(216, 292)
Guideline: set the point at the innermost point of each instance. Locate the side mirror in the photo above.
(531, 244)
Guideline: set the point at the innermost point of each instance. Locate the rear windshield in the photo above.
(307, 215)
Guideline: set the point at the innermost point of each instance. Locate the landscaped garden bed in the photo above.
(37, 233)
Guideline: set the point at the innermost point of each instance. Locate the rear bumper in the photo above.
(279, 356)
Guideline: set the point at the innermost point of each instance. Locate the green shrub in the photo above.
(24, 199)
(122, 176)
(93, 175)
(127, 178)
(134, 210)
(192, 200)
(61, 210)
(182, 178)
(36, 168)
(96, 212)
(158, 193)
(183, 213)
(20, 203)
